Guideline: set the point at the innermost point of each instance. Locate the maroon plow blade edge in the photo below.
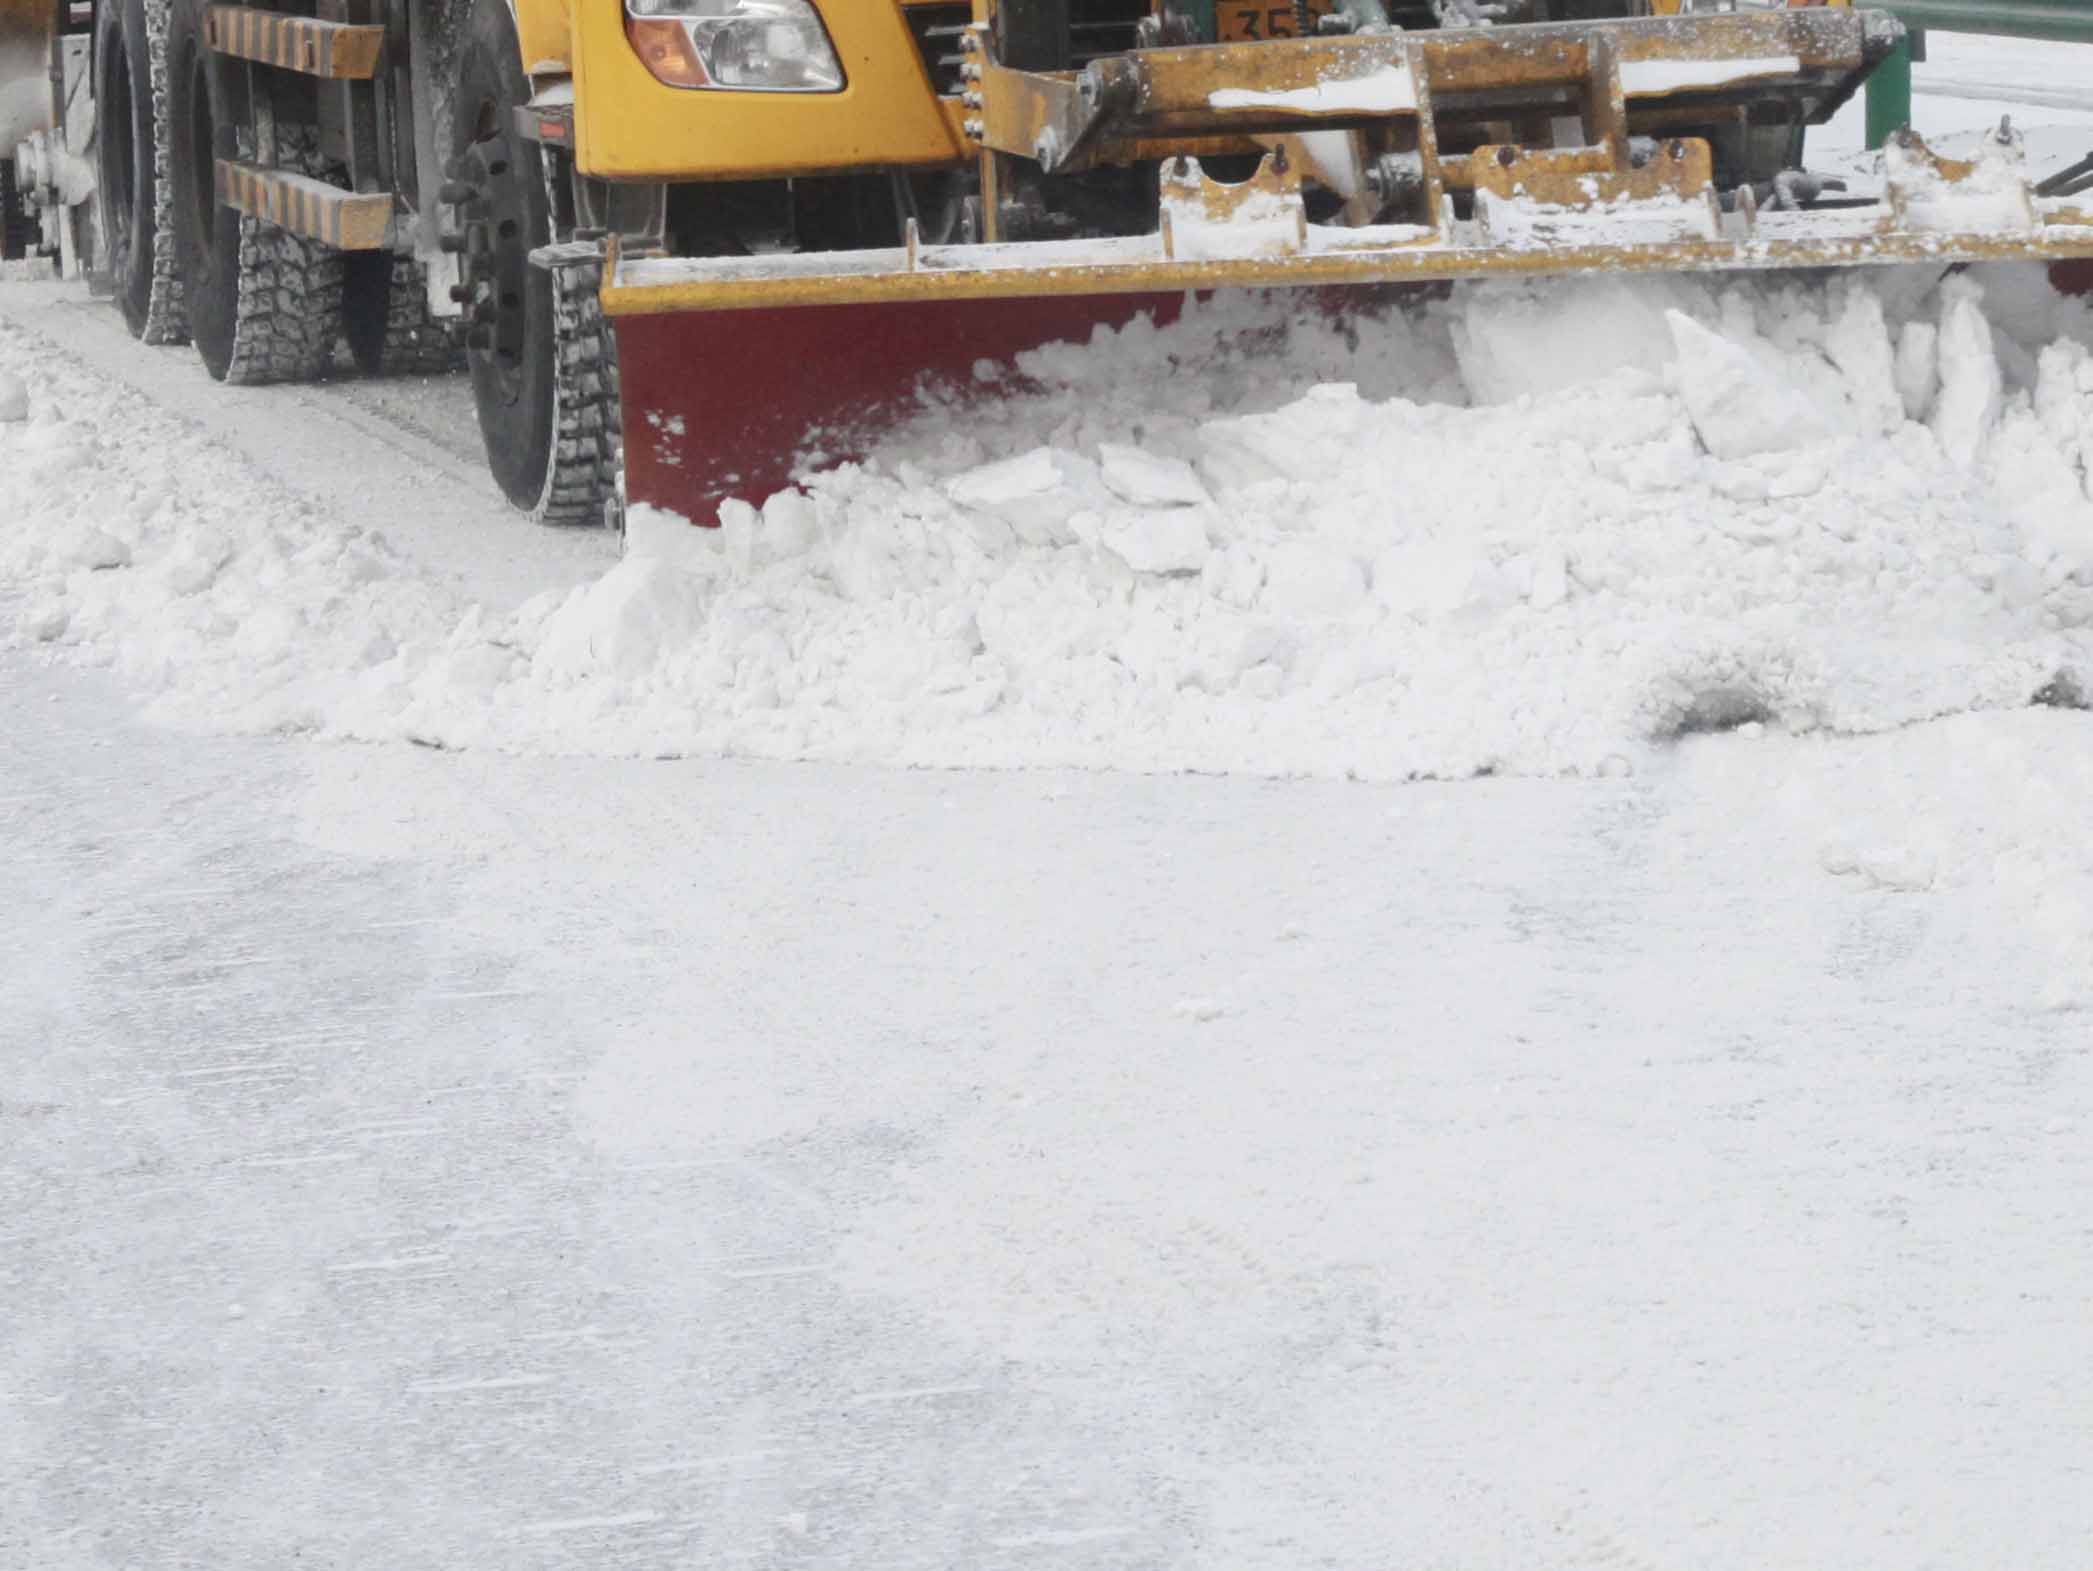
(734, 404)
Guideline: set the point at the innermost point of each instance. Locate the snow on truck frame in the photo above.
(677, 241)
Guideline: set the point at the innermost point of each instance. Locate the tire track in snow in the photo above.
(398, 455)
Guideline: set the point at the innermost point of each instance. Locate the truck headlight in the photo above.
(763, 46)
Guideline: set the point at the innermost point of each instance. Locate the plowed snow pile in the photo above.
(1533, 529)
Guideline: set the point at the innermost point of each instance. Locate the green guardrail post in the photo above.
(1889, 96)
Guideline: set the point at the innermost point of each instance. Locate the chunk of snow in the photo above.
(791, 525)
(1524, 340)
(1311, 582)
(1149, 479)
(1858, 343)
(84, 546)
(621, 625)
(44, 622)
(1918, 368)
(1741, 404)
(1896, 867)
(1437, 579)
(14, 399)
(1156, 539)
(1035, 493)
(193, 564)
(1972, 388)
(1548, 579)
(659, 532)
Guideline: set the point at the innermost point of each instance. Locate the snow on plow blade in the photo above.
(1535, 150)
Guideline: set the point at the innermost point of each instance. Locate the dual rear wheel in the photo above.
(262, 304)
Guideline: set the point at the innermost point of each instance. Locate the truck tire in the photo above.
(264, 305)
(167, 316)
(124, 156)
(581, 486)
(385, 318)
(544, 377)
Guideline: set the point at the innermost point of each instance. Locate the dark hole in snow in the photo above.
(1716, 709)
(2062, 691)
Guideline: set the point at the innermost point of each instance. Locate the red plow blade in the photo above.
(721, 404)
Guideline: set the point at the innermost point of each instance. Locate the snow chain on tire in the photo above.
(166, 315)
(289, 310)
(581, 481)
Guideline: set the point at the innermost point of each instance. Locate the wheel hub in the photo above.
(485, 218)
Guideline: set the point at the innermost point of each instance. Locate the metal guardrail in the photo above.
(2065, 21)
(1889, 89)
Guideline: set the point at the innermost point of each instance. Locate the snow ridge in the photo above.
(1537, 528)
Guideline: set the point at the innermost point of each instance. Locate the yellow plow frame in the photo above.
(1558, 145)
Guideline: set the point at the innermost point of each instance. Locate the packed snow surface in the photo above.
(412, 1156)
(1534, 528)
(459, 1160)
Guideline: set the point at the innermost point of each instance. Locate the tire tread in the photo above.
(416, 344)
(581, 481)
(166, 312)
(288, 314)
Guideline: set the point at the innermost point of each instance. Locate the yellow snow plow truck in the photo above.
(682, 243)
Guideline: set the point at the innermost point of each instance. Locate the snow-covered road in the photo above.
(417, 1158)
(1644, 1149)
